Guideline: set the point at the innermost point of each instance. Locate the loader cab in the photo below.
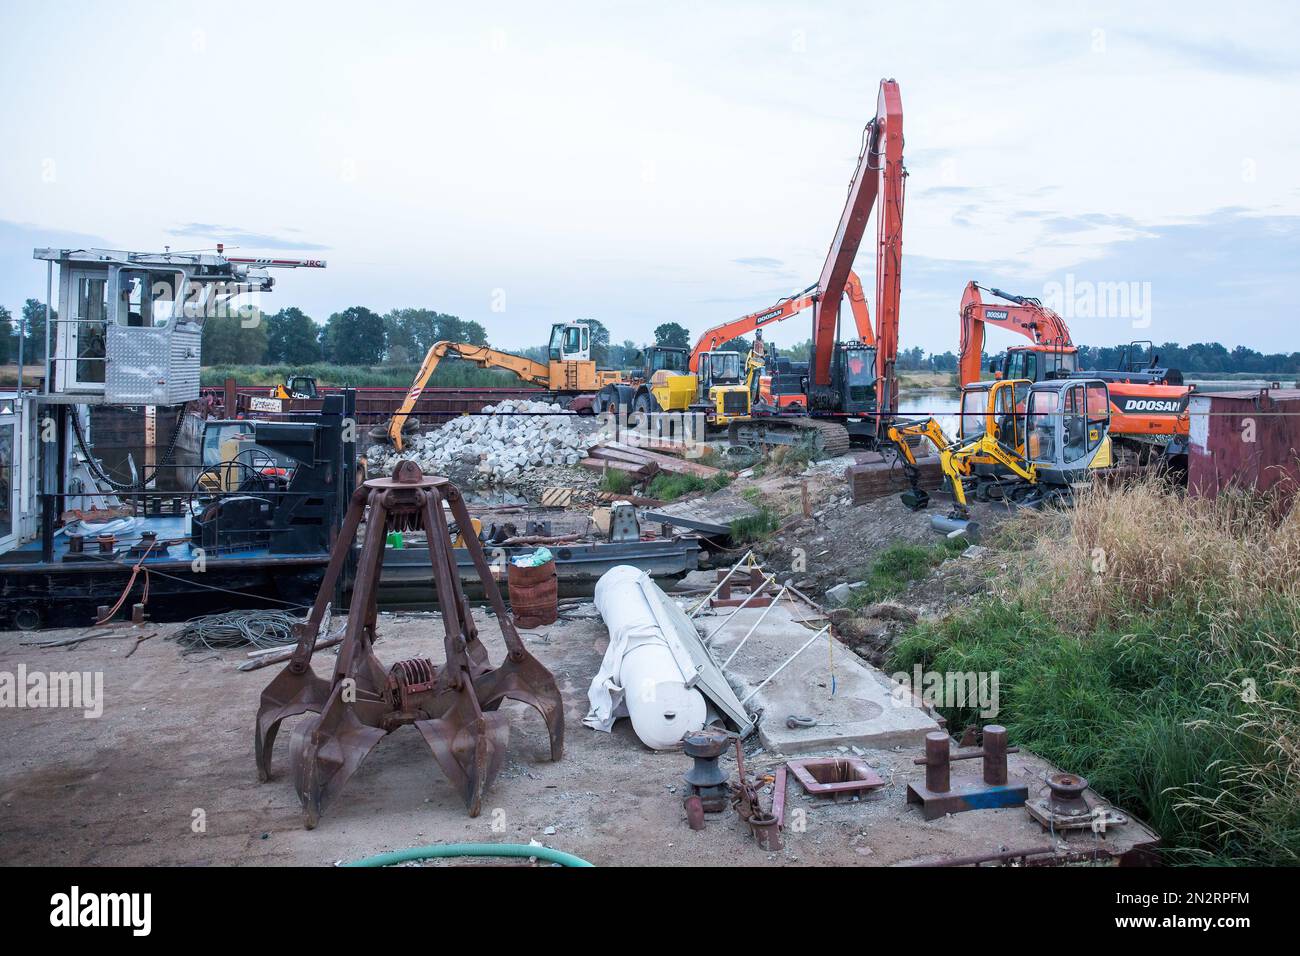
(664, 358)
(570, 342)
(1067, 429)
(720, 368)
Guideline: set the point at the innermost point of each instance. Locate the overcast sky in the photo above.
(643, 163)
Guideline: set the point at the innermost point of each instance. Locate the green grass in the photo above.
(667, 486)
(616, 482)
(1178, 700)
(898, 566)
(756, 527)
(449, 374)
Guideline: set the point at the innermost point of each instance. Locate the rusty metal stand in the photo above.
(453, 706)
(937, 796)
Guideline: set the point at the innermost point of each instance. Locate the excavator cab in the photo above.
(855, 377)
(570, 342)
(1037, 363)
(1067, 430)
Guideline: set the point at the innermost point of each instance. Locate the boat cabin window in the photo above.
(89, 327)
(147, 298)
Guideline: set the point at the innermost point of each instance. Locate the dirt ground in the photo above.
(174, 746)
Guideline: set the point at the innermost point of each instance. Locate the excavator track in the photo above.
(829, 439)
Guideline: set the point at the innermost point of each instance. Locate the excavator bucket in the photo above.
(916, 499)
(469, 745)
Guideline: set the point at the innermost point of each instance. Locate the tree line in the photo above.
(360, 336)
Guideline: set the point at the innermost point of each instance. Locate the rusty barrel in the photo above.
(534, 593)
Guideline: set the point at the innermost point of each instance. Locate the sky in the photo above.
(520, 164)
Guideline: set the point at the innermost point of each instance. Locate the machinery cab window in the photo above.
(570, 343)
(1085, 412)
(148, 298)
(974, 412)
(667, 360)
(1041, 417)
(1022, 363)
(719, 368)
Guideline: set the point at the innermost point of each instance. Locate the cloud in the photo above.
(1220, 55)
(764, 263)
(234, 236)
(21, 276)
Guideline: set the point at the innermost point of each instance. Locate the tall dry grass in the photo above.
(1148, 640)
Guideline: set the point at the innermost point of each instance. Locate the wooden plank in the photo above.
(615, 454)
(597, 464)
(667, 462)
(557, 497)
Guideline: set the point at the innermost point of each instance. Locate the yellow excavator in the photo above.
(569, 369)
(1032, 442)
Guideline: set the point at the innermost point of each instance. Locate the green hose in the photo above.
(472, 849)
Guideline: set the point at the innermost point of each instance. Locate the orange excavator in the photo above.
(1148, 404)
(779, 312)
(783, 385)
(851, 384)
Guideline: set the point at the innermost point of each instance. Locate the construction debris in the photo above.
(499, 448)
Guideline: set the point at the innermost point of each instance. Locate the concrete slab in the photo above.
(850, 700)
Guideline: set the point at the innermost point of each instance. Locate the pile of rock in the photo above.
(499, 448)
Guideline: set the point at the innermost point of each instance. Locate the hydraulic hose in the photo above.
(517, 850)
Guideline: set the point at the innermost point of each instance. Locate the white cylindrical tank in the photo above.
(641, 667)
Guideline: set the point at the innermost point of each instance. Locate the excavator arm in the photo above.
(791, 305)
(1021, 314)
(879, 173)
(534, 373)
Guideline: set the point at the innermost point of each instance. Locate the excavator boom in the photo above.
(717, 336)
(535, 373)
(879, 173)
(1020, 314)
